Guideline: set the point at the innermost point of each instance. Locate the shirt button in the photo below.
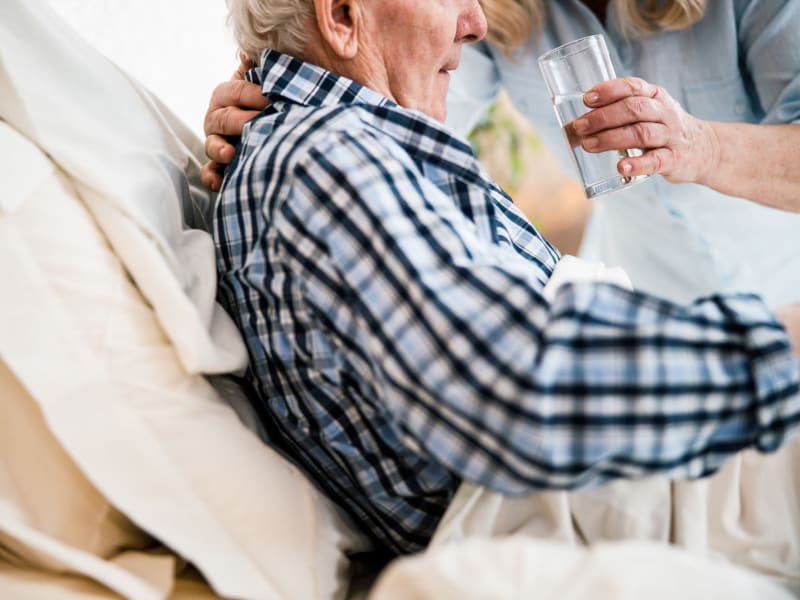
(739, 108)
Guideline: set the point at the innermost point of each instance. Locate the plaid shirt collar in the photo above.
(290, 81)
(287, 78)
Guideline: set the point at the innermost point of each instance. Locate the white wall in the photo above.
(180, 49)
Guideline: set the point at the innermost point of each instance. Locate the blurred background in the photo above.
(181, 49)
(510, 150)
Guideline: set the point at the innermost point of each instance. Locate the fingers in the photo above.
(238, 92)
(228, 121)
(219, 150)
(629, 113)
(615, 90)
(659, 161)
(211, 176)
(639, 135)
(629, 110)
(233, 103)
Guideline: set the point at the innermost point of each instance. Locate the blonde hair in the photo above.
(282, 25)
(657, 15)
(511, 22)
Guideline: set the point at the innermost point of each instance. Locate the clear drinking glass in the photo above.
(569, 71)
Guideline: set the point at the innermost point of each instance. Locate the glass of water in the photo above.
(569, 71)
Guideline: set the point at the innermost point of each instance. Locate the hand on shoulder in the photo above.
(232, 104)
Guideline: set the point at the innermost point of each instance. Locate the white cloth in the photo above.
(516, 568)
(748, 513)
(571, 269)
(128, 159)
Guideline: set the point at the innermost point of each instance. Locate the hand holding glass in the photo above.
(569, 71)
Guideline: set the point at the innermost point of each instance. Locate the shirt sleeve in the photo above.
(501, 386)
(770, 44)
(473, 88)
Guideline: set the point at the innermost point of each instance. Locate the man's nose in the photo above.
(472, 23)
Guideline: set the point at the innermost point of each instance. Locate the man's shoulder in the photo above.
(307, 146)
(292, 136)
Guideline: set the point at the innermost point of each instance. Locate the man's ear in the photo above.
(339, 23)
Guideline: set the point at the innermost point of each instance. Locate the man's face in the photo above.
(413, 44)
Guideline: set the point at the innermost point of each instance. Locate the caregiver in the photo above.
(733, 65)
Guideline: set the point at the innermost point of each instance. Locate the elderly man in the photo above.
(391, 295)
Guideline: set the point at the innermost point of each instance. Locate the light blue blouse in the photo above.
(680, 241)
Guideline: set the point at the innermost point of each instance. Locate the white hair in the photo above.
(282, 25)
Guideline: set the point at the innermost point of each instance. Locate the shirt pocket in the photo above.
(722, 100)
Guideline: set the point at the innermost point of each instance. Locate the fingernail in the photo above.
(590, 98)
(581, 125)
(590, 143)
(626, 167)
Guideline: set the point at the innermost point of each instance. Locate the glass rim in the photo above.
(569, 49)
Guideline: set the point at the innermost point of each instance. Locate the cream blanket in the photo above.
(747, 514)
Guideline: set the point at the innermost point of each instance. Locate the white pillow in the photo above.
(129, 161)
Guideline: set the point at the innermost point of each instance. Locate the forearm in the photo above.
(757, 162)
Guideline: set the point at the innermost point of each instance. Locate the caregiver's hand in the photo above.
(632, 113)
(757, 162)
(232, 104)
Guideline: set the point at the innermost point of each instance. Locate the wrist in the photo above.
(710, 168)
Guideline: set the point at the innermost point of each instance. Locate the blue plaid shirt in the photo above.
(390, 295)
